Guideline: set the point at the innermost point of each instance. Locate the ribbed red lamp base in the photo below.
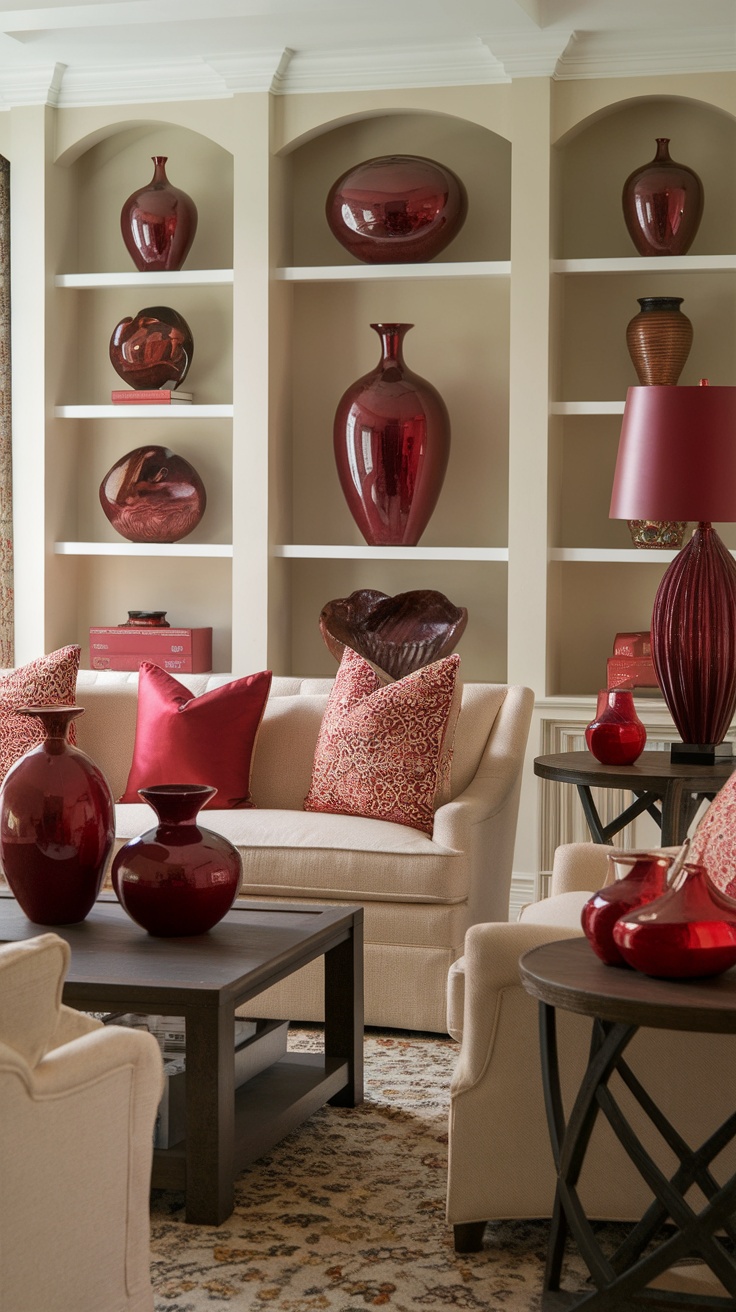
(694, 638)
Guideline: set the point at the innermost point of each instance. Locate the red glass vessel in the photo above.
(616, 736)
(687, 933)
(57, 824)
(396, 209)
(158, 222)
(153, 495)
(177, 879)
(663, 204)
(640, 878)
(392, 445)
(152, 350)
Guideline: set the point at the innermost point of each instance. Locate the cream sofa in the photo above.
(500, 1160)
(420, 893)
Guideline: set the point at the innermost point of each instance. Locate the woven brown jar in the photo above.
(659, 338)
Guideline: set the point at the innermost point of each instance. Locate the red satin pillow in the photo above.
(181, 739)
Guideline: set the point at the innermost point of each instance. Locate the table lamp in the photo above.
(677, 460)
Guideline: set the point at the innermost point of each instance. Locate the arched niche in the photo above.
(480, 157)
(593, 160)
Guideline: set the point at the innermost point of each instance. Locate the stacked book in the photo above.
(160, 396)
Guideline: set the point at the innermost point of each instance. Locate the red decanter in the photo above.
(640, 878)
(687, 933)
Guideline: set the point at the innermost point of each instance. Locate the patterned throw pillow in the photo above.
(714, 841)
(49, 681)
(384, 749)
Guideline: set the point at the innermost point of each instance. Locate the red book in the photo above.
(124, 647)
(160, 396)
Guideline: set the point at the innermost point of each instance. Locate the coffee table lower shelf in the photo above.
(267, 1107)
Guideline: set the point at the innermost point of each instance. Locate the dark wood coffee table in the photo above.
(674, 1227)
(116, 966)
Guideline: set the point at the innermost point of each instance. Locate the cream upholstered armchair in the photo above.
(78, 1102)
(500, 1160)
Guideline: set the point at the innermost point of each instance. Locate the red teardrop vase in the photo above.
(689, 932)
(643, 880)
(392, 445)
(177, 879)
(663, 204)
(616, 736)
(396, 208)
(57, 824)
(159, 222)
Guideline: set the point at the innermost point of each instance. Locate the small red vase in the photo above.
(57, 824)
(396, 208)
(616, 736)
(640, 878)
(158, 222)
(663, 204)
(177, 879)
(153, 495)
(153, 350)
(688, 933)
(392, 445)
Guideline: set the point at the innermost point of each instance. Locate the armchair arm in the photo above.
(71, 1025)
(579, 867)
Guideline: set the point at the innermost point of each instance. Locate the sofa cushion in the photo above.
(48, 681)
(384, 750)
(199, 740)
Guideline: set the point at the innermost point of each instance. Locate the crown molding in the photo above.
(33, 85)
(522, 56)
(139, 84)
(261, 70)
(459, 63)
(612, 54)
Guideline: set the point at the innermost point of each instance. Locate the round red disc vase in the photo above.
(57, 824)
(392, 445)
(640, 878)
(177, 879)
(616, 736)
(663, 204)
(688, 933)
(396, 209)
(153, 495)
(153, 350)
(158, 222)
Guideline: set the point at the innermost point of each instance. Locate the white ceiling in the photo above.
(99, 51)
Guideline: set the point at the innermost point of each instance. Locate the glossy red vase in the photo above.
(57, 824)
(688, 933)
(662, 204)
(616, 736)
(153, 350)
(177, 879)
(158, 223)
(392, 445)
(640, 878)
(396, 208)
(153, 495)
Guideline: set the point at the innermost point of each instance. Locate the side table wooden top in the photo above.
(652, 772)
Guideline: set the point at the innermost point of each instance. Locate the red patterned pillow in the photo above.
(181, 739)
(49, 681)
(384, 750)
(714, 841)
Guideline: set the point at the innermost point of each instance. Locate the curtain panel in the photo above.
(6, 468)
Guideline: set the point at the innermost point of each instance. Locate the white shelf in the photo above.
(181, 278)
(297, 551)
(649, 264)
(393, 272)
(587, 407)
(128, 411)
(189, 549)
(613, 555)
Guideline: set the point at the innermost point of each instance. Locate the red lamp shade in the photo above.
(677, 460)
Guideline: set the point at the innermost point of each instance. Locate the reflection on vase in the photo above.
(662, 204)
(153, 350)
(177, 879)
(57, 824)
(153, 495)
(639, 877)
(158, 222)
(396, 208)
(688, 932)
(392, 445)
(616, 736)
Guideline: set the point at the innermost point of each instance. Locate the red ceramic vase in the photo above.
(663, 204)
(57, 824)
(396, 209)
(616, 736)
(158, 222)
(152, 495)
(153, 350)
(392, 445)
(640, 878)
(177, 879)
(688, 933)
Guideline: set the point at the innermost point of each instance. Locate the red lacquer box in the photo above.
(183, 651)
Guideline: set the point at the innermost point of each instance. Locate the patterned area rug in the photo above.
(348, 1212)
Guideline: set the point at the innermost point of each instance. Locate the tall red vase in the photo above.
(663, 204)
(640, 878)
(616, 736)
(177, 879)
(158, 222)
(687, 933)
(57, 824)
(392, 445)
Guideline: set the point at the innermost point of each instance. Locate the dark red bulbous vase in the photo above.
(153, 495)
(396, 209)
(662, 204)
(57, 824)
(177, 879)
(687, 933)
(616, 736)
(392, 445)
(640, 878)
(158, 223)
(152, 350)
